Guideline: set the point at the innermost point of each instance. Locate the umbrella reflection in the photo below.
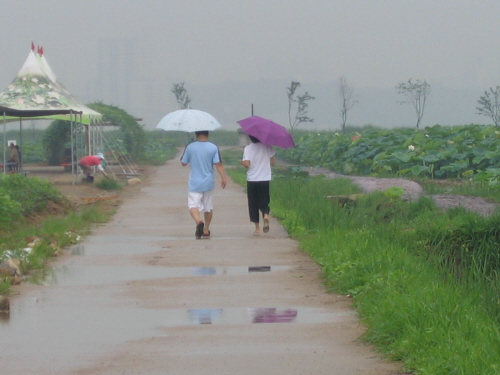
(203, 271)
(204, 316)
(271, 315)
(259, 269)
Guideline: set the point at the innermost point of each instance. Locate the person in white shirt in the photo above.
(258, 158)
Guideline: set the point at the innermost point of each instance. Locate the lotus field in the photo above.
(470, 151)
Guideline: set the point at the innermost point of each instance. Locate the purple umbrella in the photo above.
(267, 131)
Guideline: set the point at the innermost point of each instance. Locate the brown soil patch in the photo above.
(78, 193)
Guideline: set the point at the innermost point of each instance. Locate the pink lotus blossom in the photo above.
(355, 137)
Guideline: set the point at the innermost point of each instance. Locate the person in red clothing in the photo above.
(89, 162)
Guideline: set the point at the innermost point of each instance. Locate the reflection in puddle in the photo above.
(204, 316)
(78, 250)
(256, 315)
(4, 317)
(203, 271)
(45, 276)
(259, 269)
(93, 275)
(271, 315)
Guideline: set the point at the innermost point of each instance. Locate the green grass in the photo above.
(424, 282)
(230, 160)
(232, 156)
(107, 184)
(51, 235)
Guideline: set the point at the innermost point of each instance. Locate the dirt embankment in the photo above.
(81, 193)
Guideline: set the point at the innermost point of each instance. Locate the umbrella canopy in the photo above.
(188, 120)
(267, 131)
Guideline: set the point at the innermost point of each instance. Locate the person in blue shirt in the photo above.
(202, 155)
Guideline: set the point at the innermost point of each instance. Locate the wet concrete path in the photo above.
(142, 296)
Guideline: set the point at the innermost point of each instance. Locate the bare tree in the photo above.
(489, 105)
(301, 112)
(416, 94)
(183, 100)
(347, 100)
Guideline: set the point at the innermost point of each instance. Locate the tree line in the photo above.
(415, 93)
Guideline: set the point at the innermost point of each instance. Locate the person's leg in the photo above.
(195, 207)
(209, 212)
(87, 171)
(195, 214)
(264, 199)
(253, 204)
(208, 219)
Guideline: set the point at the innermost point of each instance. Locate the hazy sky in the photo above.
(374, 43)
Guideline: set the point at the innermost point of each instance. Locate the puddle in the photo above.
(259, 269)
(124, 245)
(204, 316)
(4, 317)
(236, 270)
(94, 275)
(245, 315)
(203, 271)
(272, 315)
(127, 245)
(253, 315)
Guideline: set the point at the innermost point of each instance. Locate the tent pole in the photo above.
(4, 147)
(21, 141)
(72, 148)
(87, 139)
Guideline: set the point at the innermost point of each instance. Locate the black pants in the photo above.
(258, 199)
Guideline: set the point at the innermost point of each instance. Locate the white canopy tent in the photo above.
(37, 93)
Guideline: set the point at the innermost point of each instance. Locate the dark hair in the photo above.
(202, 132)
(253, 139)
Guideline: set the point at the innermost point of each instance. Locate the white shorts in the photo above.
(202, 201)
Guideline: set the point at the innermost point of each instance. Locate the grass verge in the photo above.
(34, 244)
(423, 281)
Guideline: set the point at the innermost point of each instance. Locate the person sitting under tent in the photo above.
(14, 159)
(88, 163)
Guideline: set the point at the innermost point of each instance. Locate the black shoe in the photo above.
(266, 225)
(199, 230)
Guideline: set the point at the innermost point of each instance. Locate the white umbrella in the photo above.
(188, 120)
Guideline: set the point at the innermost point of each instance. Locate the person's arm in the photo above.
(245, 163)
(222, 174)
(245, 159)
(101, 169)
(184, 158)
